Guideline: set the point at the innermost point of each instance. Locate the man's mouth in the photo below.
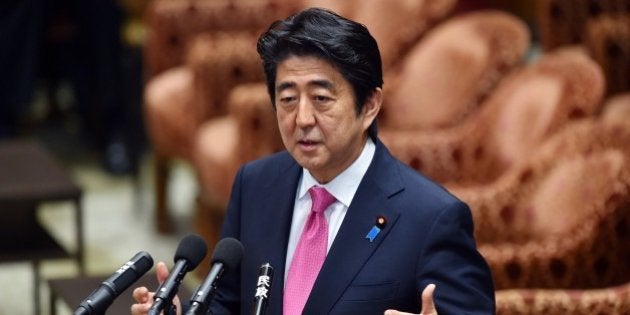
(307, 145)
(307, 142)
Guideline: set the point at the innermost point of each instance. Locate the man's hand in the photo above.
(145, 298)
(428, 307)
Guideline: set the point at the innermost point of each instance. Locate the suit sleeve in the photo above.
(228, 295)
(451, 261)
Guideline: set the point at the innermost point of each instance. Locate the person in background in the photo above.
(349, 228)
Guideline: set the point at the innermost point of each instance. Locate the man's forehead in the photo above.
(308, 71)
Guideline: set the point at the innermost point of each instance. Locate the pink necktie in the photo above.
(309, 255)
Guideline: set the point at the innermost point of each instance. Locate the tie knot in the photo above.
(321, 198)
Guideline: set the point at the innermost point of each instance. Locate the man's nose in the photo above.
(305, 116)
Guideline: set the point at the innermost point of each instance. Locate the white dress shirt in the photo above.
(343, 187)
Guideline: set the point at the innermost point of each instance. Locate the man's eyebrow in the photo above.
(323, 83)
(319, 83)
(284, 85)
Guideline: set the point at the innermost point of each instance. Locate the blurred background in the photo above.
(520, 108)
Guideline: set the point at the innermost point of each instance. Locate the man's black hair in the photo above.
(321, 33)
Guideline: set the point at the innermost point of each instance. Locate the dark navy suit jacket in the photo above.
(428, 238)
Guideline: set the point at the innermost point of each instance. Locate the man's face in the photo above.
(317, 116)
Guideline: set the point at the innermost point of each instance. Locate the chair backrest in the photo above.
(564, 22)
(561, 218)
(343, 8)
(446, 76)
(171, 24)
(397, 25)
(574, 174)
(219, 62)
(257, 124)
(616, 109)
(608, 41)
(527, 107)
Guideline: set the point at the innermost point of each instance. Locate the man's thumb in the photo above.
(428, 307)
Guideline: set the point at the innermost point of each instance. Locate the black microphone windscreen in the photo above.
(193, 249)
(228, 251)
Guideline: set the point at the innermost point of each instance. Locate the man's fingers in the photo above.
(143, 298)
(162, 271)
(141, 294)
(140, 309)
(428, 307)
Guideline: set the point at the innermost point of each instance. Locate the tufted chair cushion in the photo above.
(171, 128)
(220, 61)
(563, 22)
(608, 41)
(398, 25)
(172, 24)
(611, 300)
(578, 141)
(223, 144)
(617, 109)
(561, 218)
(444, 78)
(527, 106)
(258, 127)
(344, 8)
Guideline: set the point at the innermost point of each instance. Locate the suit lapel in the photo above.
(277, 210)
(351, 249)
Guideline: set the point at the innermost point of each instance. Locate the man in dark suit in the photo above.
(388, 232)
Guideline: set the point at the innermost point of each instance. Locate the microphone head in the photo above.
(193, 249)
(142, 261)
(228, 251)
(131, 271)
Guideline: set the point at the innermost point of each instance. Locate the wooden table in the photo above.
(30, 175)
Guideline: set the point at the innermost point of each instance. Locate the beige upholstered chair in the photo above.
(446, 76)
(528, 105)
(561, 218)
(606, 300)
(223, 144)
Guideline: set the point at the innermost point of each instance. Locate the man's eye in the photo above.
(287, 99)
(321, 98)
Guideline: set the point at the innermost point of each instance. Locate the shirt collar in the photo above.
(343, 186)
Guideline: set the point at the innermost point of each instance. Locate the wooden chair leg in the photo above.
(163, 220)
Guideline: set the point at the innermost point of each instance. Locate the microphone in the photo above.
(265, 277)
(226, 256)
(100, 299)
(190, 252)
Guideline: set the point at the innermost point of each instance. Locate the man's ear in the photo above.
(372, 106)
